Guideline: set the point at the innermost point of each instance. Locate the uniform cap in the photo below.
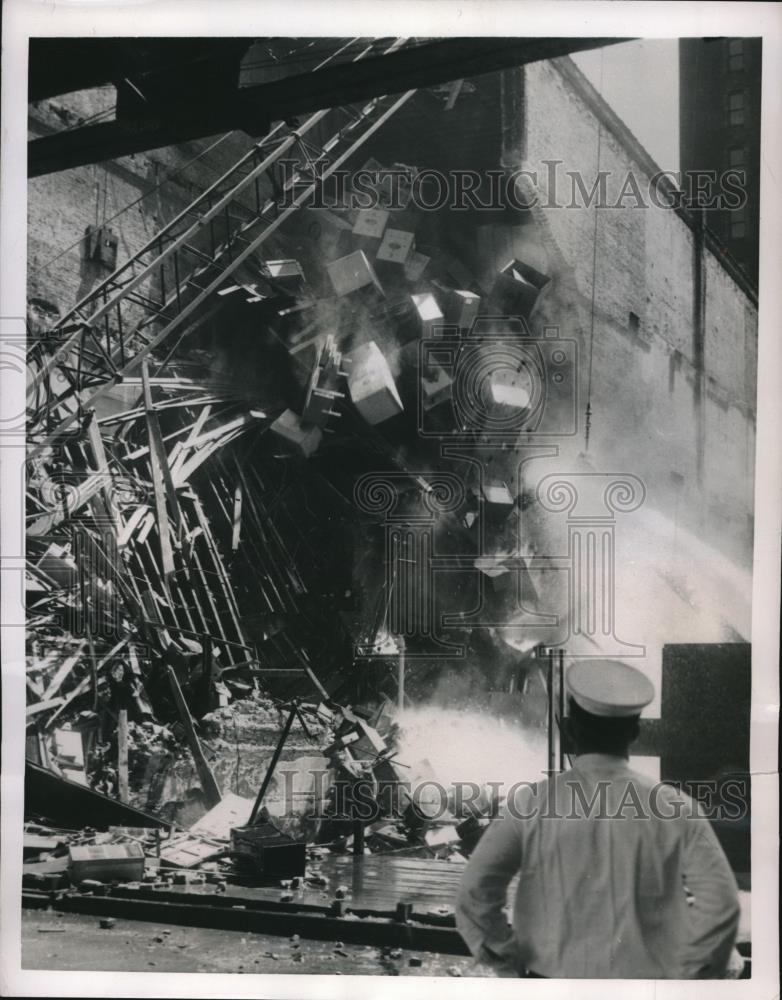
(609, 688)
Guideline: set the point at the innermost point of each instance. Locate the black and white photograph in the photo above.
(391, 498)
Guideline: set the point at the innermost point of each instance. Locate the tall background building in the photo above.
(719, 123)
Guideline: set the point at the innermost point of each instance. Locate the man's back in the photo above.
(604, 855)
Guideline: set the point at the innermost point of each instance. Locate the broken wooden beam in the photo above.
(161, 477)
(210, 787)
(122, 755)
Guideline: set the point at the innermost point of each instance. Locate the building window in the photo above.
(738, 224)
(736, 108)
(735, 55)
(737, 157)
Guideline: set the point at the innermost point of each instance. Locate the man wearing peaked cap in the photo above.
(604, 855)
(608, 688)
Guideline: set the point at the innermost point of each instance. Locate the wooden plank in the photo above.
(107, 488)
(122, 755)
(222, 576)
(239, 423)
(43, 706)
(76, 500)
(237, 518)
(63, 671)
(206, 445)
(35, 687)
(206, 589)
(157, 460)
(456, 89)
(84, 684)
(208, 783)
(130, 526)
(316, 683)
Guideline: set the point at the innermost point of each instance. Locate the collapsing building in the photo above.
(358, 419)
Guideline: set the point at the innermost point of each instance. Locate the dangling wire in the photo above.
(588, 421)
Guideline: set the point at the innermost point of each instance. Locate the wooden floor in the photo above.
(371, 884)
(376, 884)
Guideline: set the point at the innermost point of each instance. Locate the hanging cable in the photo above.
(588, 421)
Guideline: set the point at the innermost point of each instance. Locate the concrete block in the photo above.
(415, 265)
(437, 388)
(371, 384)
(396, 246)
(288, 274)
(510, 388)
(370, 222)
(495, 571)
(350, 273)
(428, 312)
(303, 438)
(517, 287)
(497, 494)
(462, 308)
(106, 862)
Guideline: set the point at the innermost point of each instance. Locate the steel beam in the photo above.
(250, 109)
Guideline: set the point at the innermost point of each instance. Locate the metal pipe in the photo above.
(400, 673)
(552, 721)
(358, 838)
(273, 764)
(561, 683)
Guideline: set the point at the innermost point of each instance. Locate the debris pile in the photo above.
(188, 520)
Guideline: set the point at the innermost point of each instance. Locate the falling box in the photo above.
(462, 308)
(371, 384)
(429, 314)
(437, 389)
(288, 274)
(517, 287)
(304, 439)
(498, 493)
(396, 246)
(106, 862)
(509, 389)
(495, 571)
(370, 222)
(415, 265)
(350, 273)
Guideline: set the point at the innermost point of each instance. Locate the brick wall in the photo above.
(644, 381)
(63, 204)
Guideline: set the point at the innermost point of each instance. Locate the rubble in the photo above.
(184, 595)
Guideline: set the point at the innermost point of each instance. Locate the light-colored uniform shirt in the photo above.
(601, 892)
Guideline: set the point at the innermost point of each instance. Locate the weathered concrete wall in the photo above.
(644, 379)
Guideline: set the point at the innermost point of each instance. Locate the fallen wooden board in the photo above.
(208, 782)
(188, 852)
(233, 810)
(45, 867)
(62, 673)
(43, 706)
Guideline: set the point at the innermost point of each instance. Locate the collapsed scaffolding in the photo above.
(168, 574)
